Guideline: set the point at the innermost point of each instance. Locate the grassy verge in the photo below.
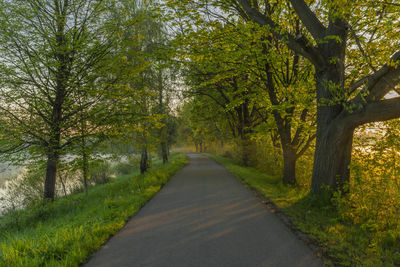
(66, 231)
(343, 242)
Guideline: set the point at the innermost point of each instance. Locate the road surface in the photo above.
(204, 217)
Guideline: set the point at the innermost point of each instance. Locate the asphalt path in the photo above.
(204, 217)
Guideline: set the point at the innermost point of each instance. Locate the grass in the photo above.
(343, 242)
(65, 232)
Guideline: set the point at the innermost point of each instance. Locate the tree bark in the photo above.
(144, 160)
(289, 166)
(246, 151)
(334, 138)
(332, 158)
(51, 173)
(53, 149)
(164, 152)
(163, 130)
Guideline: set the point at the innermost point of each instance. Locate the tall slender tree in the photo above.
(50, 53)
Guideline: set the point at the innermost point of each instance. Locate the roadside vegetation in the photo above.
(66, 231)
(347, 234)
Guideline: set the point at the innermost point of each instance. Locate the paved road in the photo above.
(204, 217)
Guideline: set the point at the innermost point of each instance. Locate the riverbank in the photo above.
(66, 231)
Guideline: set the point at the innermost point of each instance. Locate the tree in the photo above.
(52, 53)
(346, 98)
(216, 70)
(287, 82)
(222, 49)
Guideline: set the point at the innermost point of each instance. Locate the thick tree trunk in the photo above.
(334, 138)
(332, 159)
(289, 166)
(197, 147)
(144, 160)
(51, 174)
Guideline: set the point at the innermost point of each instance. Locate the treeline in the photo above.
(78, 79)
(289, 78)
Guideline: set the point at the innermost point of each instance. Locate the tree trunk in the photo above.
(247, 151)
(220, 136)
(289, 166)
(53, 151)
(332, 158)
(164, 152)
(62, 74)
(85, 168)
(197, 147)
(84, 154)
(51, 173)
(144, 160)
(246, 129)
(334, 138)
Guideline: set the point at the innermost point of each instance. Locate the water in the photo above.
(8, 172)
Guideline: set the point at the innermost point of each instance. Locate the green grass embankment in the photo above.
(343, 242)
(66, 231)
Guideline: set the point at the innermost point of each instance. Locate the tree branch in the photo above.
(309, 19)
(298, 44)
(382, 110)
(306, 146)
(379, 83)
